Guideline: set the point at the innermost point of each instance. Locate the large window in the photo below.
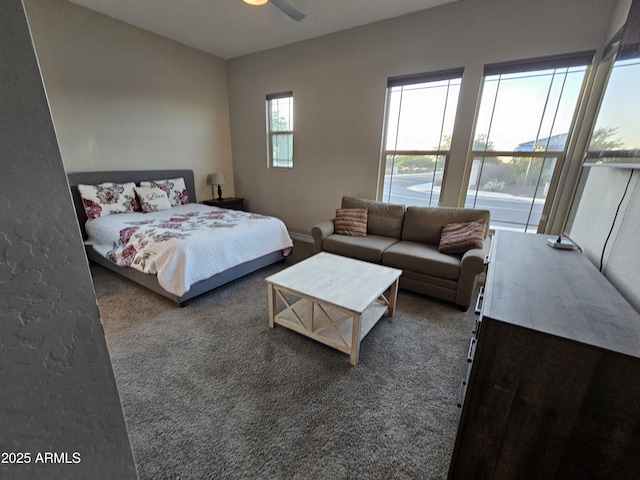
(522, 128)
(280, 130)
(419, 122)
(615, 140)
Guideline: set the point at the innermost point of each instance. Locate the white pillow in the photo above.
(175, 188)
(153, 199)
(107, 198)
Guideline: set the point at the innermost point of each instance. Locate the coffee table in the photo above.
(336, 300)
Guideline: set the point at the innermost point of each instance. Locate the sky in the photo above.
(620, 106)
(527, 106)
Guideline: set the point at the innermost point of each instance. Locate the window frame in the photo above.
(568, 61)
(618, 158)
(272, 134)
(407, 81)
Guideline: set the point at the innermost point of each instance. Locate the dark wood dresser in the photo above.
(553, 385)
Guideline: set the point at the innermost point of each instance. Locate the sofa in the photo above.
(409, 238)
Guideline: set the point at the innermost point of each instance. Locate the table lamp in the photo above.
(216, 179)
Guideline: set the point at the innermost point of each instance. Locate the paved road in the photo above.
(507, 211)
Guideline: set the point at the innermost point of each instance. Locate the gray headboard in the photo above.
(123, 176)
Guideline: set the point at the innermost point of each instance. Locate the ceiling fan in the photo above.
(283, 5)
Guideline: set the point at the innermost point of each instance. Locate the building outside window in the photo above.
(280, 130)
(526, 114)
(419, 122)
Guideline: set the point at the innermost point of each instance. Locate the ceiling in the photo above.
(230, 28)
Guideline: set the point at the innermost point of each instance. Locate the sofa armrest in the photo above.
(473, 260)
(471, 265)
(319, 232)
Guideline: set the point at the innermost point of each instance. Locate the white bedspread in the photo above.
(187, 243)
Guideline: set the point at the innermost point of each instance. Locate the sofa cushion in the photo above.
(367, 248)
(438, 282)
(460, 237)
(351, 221)
(423, 258)
(424, 224)
(382, 218)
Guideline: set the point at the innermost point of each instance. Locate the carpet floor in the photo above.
(209, 391)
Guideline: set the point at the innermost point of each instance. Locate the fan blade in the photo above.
(288, 9)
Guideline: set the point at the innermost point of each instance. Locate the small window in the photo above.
(280, 130)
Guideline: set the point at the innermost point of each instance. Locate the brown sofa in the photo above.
(408, 238)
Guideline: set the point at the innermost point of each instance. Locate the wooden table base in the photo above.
(326, 323)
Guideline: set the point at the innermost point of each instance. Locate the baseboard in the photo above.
(300, 235)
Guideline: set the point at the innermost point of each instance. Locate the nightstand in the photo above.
(230, 203)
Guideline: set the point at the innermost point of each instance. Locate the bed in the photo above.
(264, 239)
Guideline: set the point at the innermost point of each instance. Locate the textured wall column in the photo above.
(60, 414)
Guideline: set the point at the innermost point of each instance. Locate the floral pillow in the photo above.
(107, 198)
(152, 199)
(175, 188)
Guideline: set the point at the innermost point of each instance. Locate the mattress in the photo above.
(187, 243)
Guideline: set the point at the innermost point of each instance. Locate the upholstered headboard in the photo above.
(123, 176)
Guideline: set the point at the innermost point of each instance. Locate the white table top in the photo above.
(342, 281)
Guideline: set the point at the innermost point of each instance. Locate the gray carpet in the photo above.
(209, 391)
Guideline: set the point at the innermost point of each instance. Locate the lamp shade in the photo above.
(255, 2)
(215, 179)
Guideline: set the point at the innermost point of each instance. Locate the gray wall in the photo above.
(123, 98)
(619, 16)
(339, 83)
(57, 389)
(603, 192)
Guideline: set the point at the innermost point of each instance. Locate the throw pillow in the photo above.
(107, 198)
(460, 237)
(175, 188)
(153, 199)
(351, 221)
